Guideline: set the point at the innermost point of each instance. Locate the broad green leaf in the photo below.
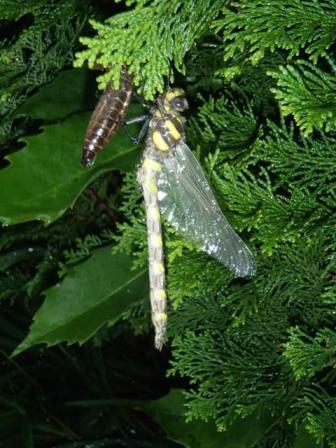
(169, 412)
(94, 293)
(45, 178)
(65, 95)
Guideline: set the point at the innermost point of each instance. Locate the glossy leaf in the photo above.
(65, 95)
(93, 294)
(45, 178)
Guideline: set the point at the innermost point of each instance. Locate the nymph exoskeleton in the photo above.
(107, 117)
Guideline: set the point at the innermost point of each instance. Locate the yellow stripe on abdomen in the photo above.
(156, 240)
(151, 185)
(151, 164)
(147, 176)
(154, 211)
(158, 267)
(172, 129)
(159, 142)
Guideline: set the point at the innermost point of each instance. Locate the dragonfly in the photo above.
(174, 186)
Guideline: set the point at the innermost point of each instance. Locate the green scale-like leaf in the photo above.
(308, 93)
(93, 293)
(149, 39)
(169, 411)
(261, 25)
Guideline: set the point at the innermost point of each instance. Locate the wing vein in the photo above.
(188, 203)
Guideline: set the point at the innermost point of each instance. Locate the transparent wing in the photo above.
(187, 202)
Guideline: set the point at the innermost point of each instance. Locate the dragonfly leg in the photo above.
(142, 118)
(137, 119)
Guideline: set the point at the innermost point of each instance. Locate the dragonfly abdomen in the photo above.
(147, 176)
(165, 131)
(108, 115)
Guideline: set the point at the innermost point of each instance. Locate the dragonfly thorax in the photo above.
(166, 132)
(166, 128)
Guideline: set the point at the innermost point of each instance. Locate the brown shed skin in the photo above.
(107, 117)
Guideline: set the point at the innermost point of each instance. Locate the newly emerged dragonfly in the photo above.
(175, 186)
(107, 117)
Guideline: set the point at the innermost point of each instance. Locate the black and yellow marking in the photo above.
(165, 131)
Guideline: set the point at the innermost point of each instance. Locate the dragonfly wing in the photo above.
(188, 203)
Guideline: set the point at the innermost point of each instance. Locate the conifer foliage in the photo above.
(260, 78)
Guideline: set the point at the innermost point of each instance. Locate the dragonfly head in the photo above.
(174, 100)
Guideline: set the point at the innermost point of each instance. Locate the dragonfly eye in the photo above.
(179, 103)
